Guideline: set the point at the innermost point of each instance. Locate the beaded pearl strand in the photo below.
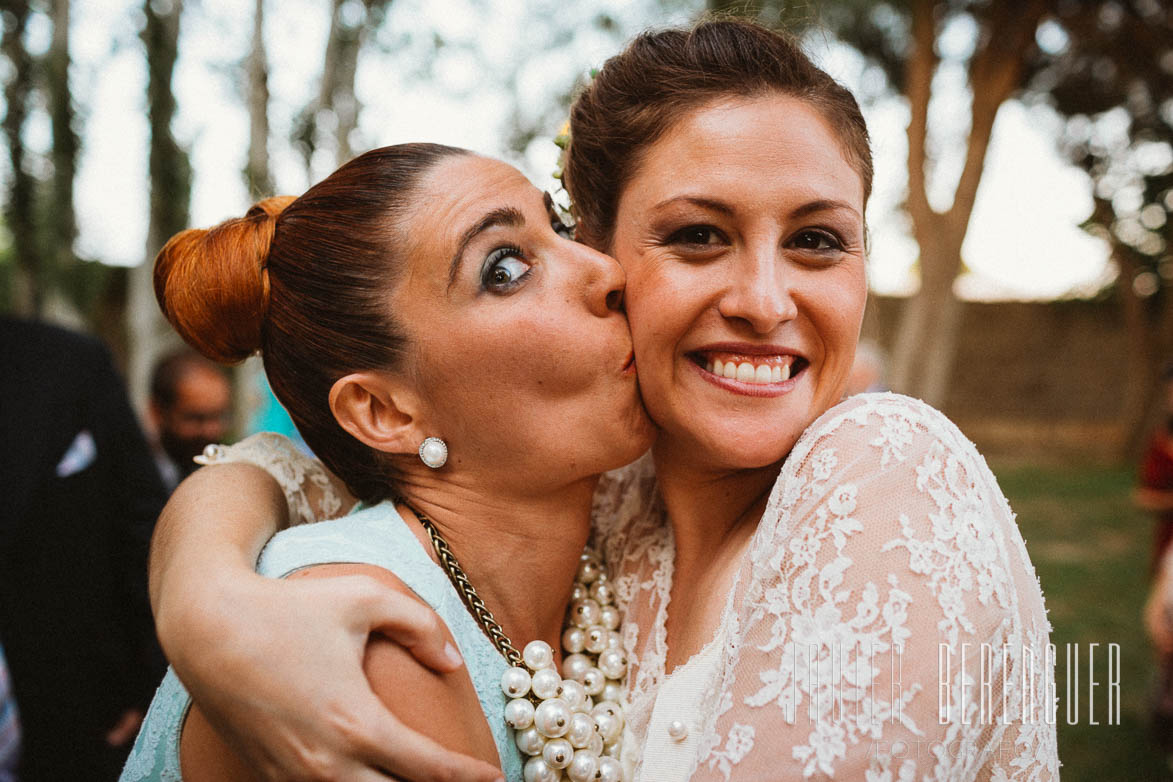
(569, 723)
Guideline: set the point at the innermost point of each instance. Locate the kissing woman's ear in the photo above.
(378, 411)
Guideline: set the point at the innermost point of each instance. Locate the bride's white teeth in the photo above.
(765, 371)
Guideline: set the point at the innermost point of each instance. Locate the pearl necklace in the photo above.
(568, 724)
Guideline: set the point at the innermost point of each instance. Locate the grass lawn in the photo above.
(1091, 548)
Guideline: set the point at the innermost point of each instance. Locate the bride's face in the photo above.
(742, 235)
(517, 340)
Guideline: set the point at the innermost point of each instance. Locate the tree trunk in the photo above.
(257, 174)
(61, 223)
(338, 73)
(170, 193)
(927, 334)
(168, 166)
(917, 317)
(1149, 326)
(20, 211)
(336, 95)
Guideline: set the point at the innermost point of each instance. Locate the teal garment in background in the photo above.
(9, 726)
(270, 416)
(373, 536)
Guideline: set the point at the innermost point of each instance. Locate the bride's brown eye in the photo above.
(695, 234)
(816, 240)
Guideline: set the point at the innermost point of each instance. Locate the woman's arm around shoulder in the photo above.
(314, 716)
(442, 707)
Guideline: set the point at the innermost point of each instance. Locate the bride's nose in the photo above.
(760, 295)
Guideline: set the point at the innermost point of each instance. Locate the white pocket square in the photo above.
(79, 455)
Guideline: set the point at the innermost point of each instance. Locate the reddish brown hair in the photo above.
(306, 282)
(660, 77)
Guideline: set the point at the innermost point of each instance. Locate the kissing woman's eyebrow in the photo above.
(505, 215)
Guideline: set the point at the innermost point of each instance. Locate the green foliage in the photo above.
(1113, 80)
(1090, 548)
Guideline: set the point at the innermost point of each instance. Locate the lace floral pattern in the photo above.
(312, 492)
(885, 551)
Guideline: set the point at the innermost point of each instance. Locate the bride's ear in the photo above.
(376, 411)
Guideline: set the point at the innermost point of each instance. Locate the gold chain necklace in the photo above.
(569, 727)
(472, 601)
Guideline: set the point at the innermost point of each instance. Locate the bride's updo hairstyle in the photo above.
(307, 283)
(662, 76)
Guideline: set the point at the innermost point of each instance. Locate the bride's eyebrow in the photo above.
(704, 203)
(505, 215)
(823, 205)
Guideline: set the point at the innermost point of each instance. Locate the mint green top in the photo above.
(371, 536)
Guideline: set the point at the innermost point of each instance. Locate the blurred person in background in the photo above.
(191, 402)
(81, 497)
(9, 726)
(1154, 493)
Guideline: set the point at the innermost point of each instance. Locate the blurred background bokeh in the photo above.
(1020, 229)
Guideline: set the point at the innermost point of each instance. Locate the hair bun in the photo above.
(212, 284)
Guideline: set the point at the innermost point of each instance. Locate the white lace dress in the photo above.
(885, 554)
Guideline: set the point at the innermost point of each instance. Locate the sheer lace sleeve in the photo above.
(623, 499)
(313, 492)
(886, 558)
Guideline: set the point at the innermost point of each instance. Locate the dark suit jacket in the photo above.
(80, 497)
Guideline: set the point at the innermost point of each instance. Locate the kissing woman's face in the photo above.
(516, 337)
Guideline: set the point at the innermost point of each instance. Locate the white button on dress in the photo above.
(674, 729)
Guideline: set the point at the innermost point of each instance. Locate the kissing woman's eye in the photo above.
(504, 269)
(816, 240)
(696, 235)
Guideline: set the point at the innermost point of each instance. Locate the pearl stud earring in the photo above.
(434, 452)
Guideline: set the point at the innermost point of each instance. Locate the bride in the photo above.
(800, 576)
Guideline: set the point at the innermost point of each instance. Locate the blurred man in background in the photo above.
(191, 402)
(9, 726)
(1154, 491)
(81, 495)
